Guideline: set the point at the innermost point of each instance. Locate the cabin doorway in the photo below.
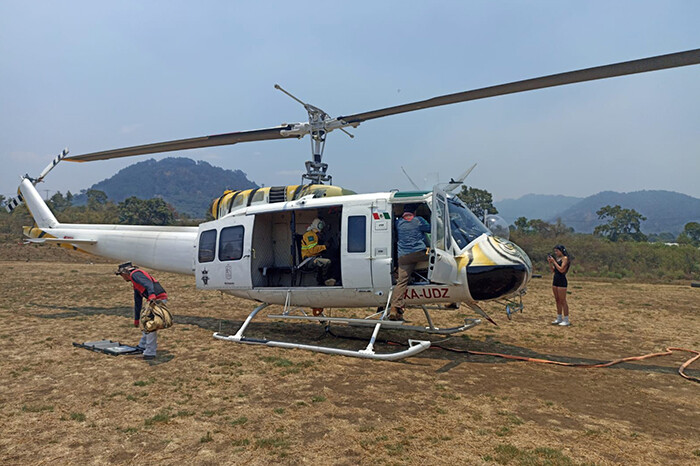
(278, 259)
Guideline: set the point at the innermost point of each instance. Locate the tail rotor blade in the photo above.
(13, 203)
(50, 166)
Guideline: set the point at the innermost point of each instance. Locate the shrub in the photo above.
(598, 257)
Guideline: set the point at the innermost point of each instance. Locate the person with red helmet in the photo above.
(145, 286)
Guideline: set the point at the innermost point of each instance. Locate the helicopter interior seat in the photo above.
(305, 266)
(331, 218)
(271, 261)
(293, 274)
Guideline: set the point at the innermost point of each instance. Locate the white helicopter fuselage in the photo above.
(254, 252)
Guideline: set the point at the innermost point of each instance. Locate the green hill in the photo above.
(187, 185)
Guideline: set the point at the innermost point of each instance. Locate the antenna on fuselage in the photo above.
(454, 184)
(415, 186)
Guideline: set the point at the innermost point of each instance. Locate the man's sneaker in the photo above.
(564, 323)
(557, 322)
(149, 357)
(330, 282)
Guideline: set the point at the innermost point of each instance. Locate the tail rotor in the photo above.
(18, 200)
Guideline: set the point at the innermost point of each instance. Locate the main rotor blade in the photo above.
(673, 60)
(182, 144)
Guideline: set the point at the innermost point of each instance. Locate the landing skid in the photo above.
(414, 346)
(378, 321)
(386, 324)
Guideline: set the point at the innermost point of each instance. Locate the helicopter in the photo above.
(252, 247)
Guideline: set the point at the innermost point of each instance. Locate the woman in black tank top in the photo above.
(560, 266)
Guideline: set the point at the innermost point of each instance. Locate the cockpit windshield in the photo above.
(464, 224)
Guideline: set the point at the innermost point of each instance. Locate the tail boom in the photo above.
(170, 249)
(43, 216)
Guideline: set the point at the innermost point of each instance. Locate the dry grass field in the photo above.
(204, 401)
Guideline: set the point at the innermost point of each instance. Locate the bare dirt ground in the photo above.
(205, 401)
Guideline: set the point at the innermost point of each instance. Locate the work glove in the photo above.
(136, 323)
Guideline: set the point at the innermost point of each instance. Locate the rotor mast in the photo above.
(316, 170)
(317, 128)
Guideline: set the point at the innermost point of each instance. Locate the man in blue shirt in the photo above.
(412, 249)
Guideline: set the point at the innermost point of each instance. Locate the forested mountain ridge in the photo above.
(189, 186)
(666, 211)
(531, 206)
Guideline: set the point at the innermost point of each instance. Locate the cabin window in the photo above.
(464, 225)
(239, 200)
(207, 244)
(357, 233)
(231, 243)
(258, 197)
(441, 238)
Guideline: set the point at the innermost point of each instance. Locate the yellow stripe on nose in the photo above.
(462, 261)
(479, 257)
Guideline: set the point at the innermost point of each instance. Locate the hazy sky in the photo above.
(100, 75)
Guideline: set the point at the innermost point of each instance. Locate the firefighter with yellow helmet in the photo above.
(312, 247)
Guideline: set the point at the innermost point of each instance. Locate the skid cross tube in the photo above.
(427, 316)
(239, 334)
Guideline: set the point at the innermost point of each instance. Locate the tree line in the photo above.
(619, 224)
(98, 209)
(616, 249)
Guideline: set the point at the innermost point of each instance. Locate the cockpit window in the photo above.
(464, 224)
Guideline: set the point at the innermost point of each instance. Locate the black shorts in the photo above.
(560, 281)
